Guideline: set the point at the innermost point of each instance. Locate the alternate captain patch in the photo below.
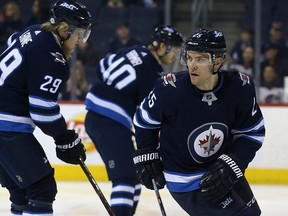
(205, 141)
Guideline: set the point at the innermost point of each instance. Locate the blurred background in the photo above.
(255, 30)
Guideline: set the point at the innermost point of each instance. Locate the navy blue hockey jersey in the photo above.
(32, 69)
(197, 127)
(124, 80)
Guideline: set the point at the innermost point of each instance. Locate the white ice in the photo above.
(80, 199)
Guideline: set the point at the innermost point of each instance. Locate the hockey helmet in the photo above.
(74, 14)
(209, 41)
(168, 35)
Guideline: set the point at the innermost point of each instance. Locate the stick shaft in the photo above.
(158, 198)
(96, 187)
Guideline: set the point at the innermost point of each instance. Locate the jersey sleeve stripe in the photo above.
(258, 139)
(146, 117)
(45, 118)
(39, 102)
(257, 127)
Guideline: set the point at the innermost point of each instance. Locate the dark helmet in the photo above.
(74, 14)
(71, 12)
(212, 42)
(168, 35)
(209, 41)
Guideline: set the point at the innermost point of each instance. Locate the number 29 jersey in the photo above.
(32, 70)
(124, 80)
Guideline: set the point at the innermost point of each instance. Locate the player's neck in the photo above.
(209, 84)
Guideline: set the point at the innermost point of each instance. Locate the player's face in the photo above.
(172, 54)
(78, 36)
(200, 69)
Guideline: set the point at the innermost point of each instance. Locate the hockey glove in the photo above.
(149, 166)
(69, 148)
(220, 178)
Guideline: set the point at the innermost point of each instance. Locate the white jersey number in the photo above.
(9, 63)
(126, 71)
(47, 85)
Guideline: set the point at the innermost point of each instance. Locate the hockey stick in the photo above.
(158, 198)
(95, 186)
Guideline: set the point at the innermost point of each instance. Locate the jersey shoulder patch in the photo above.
(169, 79)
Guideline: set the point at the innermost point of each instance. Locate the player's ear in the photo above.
(63, 30)
(161, 49)
(218, 63)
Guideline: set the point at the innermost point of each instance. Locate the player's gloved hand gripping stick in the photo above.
(69, 147)
(220, 177)
(149, 169)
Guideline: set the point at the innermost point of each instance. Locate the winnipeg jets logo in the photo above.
(209, 97)
(58, 57)
(170, 79)
(245, 79)
(210, 141)
(205, 141)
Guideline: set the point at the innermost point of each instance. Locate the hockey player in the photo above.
(33, 68)
(124, 80)
(211, 128)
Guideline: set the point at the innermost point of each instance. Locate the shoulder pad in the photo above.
(169, 79)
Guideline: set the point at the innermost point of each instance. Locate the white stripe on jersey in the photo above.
(255, 128)
(108, 105)
(45, 118)
(18, 119)
(180, 178)
(41, 102)
(259, 139)
(145, 117)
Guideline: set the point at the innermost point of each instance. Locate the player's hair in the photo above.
(47, 26)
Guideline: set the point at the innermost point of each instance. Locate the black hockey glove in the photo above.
(148, 167)
(69, 148)
(220, 177)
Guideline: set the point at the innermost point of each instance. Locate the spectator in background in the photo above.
(87, 54)
(77, 85)
(273, 57)
(40, 12)
(271, 88)
(276, 37)
(115, 3)
(246, 39)
(10, 21)
(122, 38)
(246, 62)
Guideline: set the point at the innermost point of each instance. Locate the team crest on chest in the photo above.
(205, 141)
